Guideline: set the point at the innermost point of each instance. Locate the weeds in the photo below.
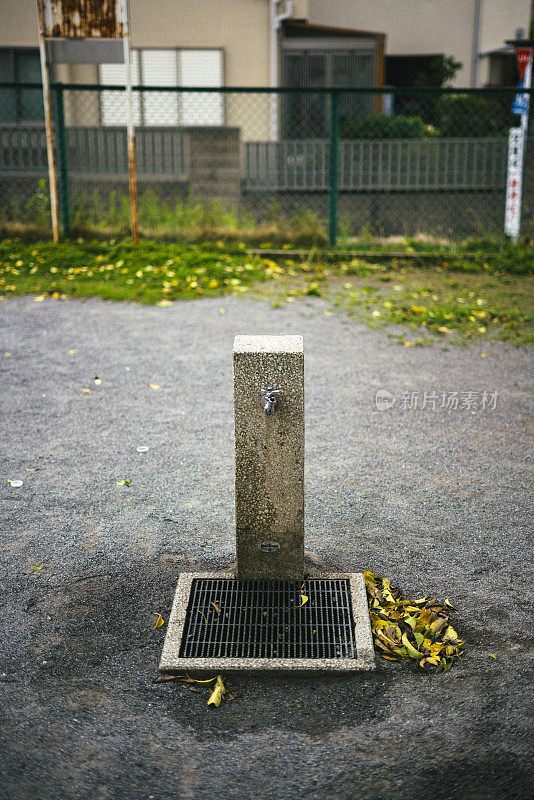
(452, 302)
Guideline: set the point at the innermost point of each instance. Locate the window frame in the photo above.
(177, 50)
(19, 120)
(301, 108)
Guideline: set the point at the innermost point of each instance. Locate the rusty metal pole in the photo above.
(130, 134)
(52, 179)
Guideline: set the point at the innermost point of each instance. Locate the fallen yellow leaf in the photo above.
(304, 599)
(219, 690)
(409, 647)
(87, 391)
(160, 621)
(154, 386)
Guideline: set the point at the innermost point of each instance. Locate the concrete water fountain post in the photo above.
(267, 614)
(269, 456)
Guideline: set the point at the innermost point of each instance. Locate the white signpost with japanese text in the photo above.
(516, 146)
(512, 218)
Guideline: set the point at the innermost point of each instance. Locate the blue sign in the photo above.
(520, 104)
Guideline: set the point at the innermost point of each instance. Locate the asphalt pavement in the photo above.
(438, 498)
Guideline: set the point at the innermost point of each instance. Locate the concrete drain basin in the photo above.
(226, 624)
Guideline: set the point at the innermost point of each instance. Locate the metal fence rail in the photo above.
(283, 165)
(92, 150)
(286, 165)
(372, 165)
(22, 149)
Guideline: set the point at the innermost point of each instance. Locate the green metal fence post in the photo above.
(333, 171)
(63, 167)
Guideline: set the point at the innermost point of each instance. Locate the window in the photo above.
(503, 70)
(166, 67)
(21, 65)
(306, 115)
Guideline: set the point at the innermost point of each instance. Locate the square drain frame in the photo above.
(260, 626)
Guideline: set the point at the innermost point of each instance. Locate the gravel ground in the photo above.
(437, 500)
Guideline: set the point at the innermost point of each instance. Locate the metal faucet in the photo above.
(269, 399)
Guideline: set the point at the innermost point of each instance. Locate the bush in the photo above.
(471, 115)
(387, 126)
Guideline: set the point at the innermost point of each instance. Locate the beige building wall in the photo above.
(429, 26)
(241, 28)
(18, 23)
(500, 21)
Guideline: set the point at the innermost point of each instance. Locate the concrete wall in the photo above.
(393, 213)
(215, 163)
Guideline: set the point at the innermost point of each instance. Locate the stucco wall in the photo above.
(241, 27)
(428, 26)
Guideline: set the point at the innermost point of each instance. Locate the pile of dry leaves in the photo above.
(417, 629)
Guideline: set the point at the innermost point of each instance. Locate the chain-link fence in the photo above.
(289, 165)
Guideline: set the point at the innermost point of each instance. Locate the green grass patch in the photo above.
(442, 305)
(436, 303)
(152, 272)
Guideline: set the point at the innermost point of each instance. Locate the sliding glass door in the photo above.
(305, 116)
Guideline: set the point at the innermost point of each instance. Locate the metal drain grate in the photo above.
(262, 619)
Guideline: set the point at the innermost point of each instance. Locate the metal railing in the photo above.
(95, 150)
(388, 165)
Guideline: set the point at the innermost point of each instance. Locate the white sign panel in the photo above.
(512, 218)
